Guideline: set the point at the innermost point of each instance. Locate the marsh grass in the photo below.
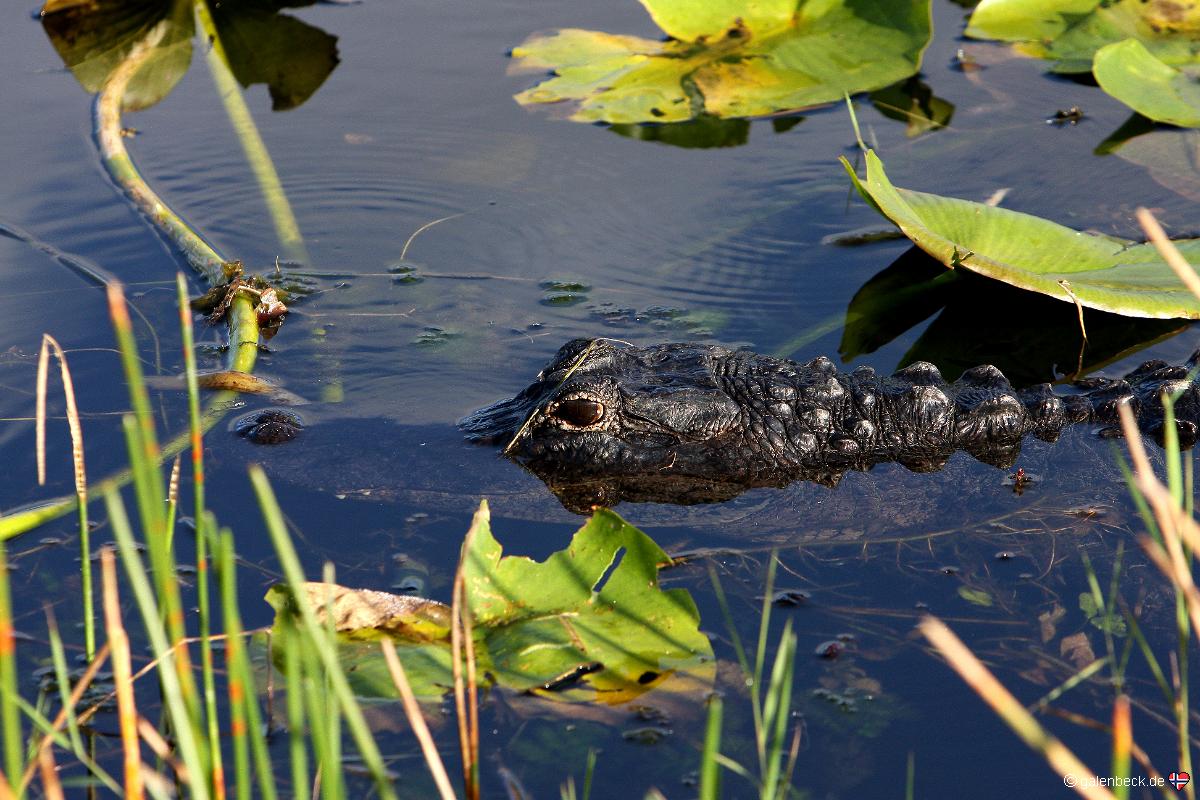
(186, 753)
(770, 706)
(1172, 537)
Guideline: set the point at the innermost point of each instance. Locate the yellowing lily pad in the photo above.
(758, 61)
(1132, 74)
(1069, 32)
(1106, 273)
(691, 21)
(588, 623)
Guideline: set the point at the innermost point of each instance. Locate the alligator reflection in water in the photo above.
(694, 423)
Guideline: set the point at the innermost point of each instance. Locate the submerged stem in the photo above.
(284, 220)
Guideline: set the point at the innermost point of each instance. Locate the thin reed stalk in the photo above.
(10, 714)
(710, 768)
(1122, 746)
(49, 343)
(71, 695)
(462, 649)
(63, 678)
(118, 642)
(294, 670)
(188, 738)
(241, 673)
(1022, 723)
(200, 518)
(49, 772)
(412, 710)
(144, 457)
(335, 783)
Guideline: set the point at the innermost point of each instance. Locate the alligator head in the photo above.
(599, 409)
(674, 423)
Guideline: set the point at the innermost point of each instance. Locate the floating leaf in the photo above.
(291, 57)
(589, 622)
(692, 21)
(1032, 253)
(1069, 32)
(730, 58)
(1132, 74)
(1114, 624)
(976, 597)
(94, 37)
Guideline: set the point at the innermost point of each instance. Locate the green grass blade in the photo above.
(46, 727)
(243, 699)
(188, 738)
(776, 711)
(589, 772)
(710, 768)
(10, 713)
(293, 671)
(292, 570)
(62, 677)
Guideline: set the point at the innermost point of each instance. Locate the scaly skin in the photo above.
(697, 423)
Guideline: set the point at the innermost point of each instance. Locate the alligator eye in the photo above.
(578, 412)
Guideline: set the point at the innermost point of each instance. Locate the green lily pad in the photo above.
(691, 21)
(93, 38)
(1069, 32)
(588, 623)
(1032, 253)
(732, 58)
(1132, 74)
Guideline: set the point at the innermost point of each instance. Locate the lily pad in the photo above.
(1106, 273)
(1069, 32)
(588, 623)
(729, 58)
(93, 38)
(1132, 74)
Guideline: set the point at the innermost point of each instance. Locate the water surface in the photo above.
(651, 243)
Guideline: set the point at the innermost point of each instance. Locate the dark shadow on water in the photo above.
(1031, 338)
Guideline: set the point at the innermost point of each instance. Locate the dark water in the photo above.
(416, 124)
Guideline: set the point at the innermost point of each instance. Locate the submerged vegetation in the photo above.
(602, 626)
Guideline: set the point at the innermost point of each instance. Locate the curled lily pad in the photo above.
(731, 58)
(1132, 74)
(1069, 32)
(588, 623)
(1106, 273)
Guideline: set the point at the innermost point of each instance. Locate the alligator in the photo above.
(691, 423)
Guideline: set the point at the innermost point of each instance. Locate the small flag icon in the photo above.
(1179, 779)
